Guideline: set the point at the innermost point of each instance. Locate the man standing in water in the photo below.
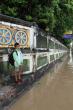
(18, 63)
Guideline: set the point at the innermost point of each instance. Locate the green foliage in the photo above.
(11, 11)
(28, 18)
(16, 1)
(55, 16)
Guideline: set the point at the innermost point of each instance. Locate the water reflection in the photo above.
(40, 97)
(70, 58)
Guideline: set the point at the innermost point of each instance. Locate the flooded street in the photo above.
(54, 91)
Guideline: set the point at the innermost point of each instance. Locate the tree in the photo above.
(55, 16)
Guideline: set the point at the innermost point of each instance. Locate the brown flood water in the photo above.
(54, 91)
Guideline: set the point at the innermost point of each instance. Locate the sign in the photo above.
(68, 36)
(68, 32)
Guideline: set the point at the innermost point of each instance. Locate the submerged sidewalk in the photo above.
(53, 92)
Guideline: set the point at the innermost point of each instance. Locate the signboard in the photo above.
(68, 36)
(68, 32)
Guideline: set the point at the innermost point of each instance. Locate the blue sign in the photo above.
(68, 36)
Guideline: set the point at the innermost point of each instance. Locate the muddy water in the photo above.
(54, 91)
